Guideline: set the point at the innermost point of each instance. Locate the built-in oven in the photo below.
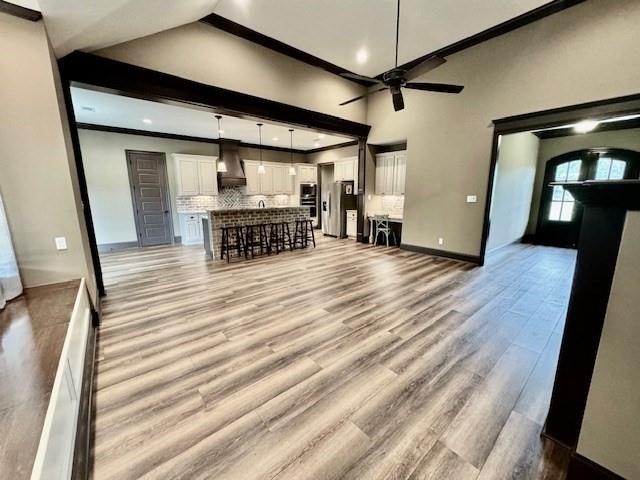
(309, 198)
(308, 190)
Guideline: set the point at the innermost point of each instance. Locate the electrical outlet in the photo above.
(61, 243)
(472, 198)
(440, 241)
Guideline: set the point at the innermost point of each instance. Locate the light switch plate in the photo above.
(61, 243)
(440, 241)
(472, 198)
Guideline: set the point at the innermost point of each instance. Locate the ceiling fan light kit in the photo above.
(396, 79)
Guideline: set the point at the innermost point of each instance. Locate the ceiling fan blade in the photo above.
(398, 101)
(363, 96)
(429, 64)
(434, 87)
(360, 78)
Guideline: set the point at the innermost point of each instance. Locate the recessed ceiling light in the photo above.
(586, 126)
(316, 144)
(321, 135)
(221, 132)
(275, 139)
(362, 55)
(147, 120)
(88, 108)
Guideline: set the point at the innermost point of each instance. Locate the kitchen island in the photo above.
(219, 218)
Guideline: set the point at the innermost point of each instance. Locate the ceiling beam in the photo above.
(505, 27)
(102, 74)
(241, 31)
(175, 136)
(19, 11)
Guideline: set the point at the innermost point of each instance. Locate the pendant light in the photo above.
(292, 169)
(222, 167)
(261, 169)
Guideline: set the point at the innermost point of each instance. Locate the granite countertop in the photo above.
(256, 209)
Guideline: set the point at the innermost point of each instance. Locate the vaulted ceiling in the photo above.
(359, 35)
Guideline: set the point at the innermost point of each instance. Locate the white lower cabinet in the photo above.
(352, 223)
(191, 228)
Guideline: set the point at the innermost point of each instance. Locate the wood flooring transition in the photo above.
(347, 361)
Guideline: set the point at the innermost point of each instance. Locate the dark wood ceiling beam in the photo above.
(20, 12)
(241, 31)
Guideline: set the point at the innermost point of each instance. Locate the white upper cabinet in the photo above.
(390, 173)
(275, 179)
(307, 174)
(253, 179)
(346, 170)
(196, 174)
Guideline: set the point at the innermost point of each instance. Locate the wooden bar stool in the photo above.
(255, 236)
(232, 240)
(303, 233)
(279, 237)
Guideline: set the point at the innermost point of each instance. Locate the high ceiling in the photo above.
(341, 31)
(98, 108)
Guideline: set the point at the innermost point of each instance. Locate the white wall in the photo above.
(37, 174)
(205, 54)
(104, 159)
(582, 54)
(610, 433)
(513, 188)
(552, 147)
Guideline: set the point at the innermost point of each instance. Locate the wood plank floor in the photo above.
(344, 362)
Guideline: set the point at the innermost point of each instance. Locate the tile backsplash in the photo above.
(228, 197)
(389, 204)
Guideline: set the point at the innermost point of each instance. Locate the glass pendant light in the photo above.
(222, 167)
(292, 169)
(261, 169)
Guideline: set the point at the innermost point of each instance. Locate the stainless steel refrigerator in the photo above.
(10, 285)
(335, 204)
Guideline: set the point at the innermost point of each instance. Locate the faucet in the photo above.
(261, 204)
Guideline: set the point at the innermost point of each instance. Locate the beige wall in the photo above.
(512, 188)
(330, 156)
(610, 432)
(552, 147)
(205, 54)
(37, 179)
(547, 64)
(104, 160)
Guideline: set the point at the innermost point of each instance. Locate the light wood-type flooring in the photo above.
(345, 362)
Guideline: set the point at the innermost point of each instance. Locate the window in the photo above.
(610, 169)
(562, 202)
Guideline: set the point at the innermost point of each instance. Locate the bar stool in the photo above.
(255, 236)
(303, 233)
(381, 225)
(232, 240)
(279, 236)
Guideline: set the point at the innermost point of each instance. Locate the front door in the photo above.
(560, 216)
(150, 196)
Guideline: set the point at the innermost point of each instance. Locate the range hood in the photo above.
(230, 155)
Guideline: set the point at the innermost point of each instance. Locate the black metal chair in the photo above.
(232, 240)
(255, 236)
(303, 233)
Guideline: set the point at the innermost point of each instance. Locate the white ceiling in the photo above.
(335, 30)
(125, 112)
(93, 24)
(32, 4)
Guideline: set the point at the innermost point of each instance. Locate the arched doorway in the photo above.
(560, 216)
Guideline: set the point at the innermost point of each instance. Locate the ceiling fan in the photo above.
(397, 78)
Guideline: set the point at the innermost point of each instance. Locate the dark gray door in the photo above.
(150, 195)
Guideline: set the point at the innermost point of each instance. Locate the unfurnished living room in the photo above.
(348, 239)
